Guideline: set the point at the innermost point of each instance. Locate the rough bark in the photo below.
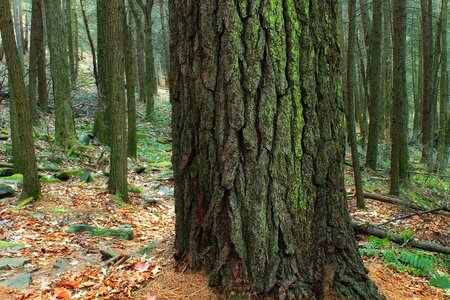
(258, 149)
(374, 77)
(427, 63)
(21, 130)
(115, 71)
(59, 69)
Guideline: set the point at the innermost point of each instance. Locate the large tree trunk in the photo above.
(59, 67)
(22, 135)
(399, 127)
(374, 76)
(115, 71)
(258, 137)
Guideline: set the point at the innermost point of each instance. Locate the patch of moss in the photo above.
(135, 189)
(24, 202)
(118, 200)
(9, 245)
(49, 179)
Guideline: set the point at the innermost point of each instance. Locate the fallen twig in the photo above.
(396, 201)
(412, 215)
(373, 230)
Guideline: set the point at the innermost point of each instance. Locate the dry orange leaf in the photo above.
(62, 293)
(68, 284)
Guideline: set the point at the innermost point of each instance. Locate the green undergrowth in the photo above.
(154, 141)
(421, 263)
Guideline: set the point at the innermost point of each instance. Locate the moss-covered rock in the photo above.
(122, 233)
(49, 179)
(135, 189)
(14, 179)
(66, 175)
(86, 176)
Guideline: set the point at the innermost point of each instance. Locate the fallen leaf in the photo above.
(68, 284)
(141, 266)
(62, 293)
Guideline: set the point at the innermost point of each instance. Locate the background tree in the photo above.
(444, 117)
(150, 86)
(103, 112)
(130, 73)
(350, 102)
(37, 70)
(399, 127)
(21, 130)
(427, 71)
(374, 73)
(257, 149)
(59, 67)
(115, 72)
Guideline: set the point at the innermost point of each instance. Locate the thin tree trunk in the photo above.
(91, 41)
(387, 70)
(17, 28)
(22, 136)
(140, 34)
(42, 64)
(374, 76)
(162, 14)
(349, 99)
(427, 61)
(130, 65)
(444, 117)
(36, 40)
(102, 123)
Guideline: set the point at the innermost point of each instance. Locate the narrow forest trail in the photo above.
(61, 265)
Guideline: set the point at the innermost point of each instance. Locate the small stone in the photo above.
(107, 254)
(139, 170)
(6, 191)
(86, 176)
(150, 202)
(19, 282)
(6, 172)
(165, 191)
(8, 263)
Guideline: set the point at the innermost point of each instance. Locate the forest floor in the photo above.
(61, 265)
